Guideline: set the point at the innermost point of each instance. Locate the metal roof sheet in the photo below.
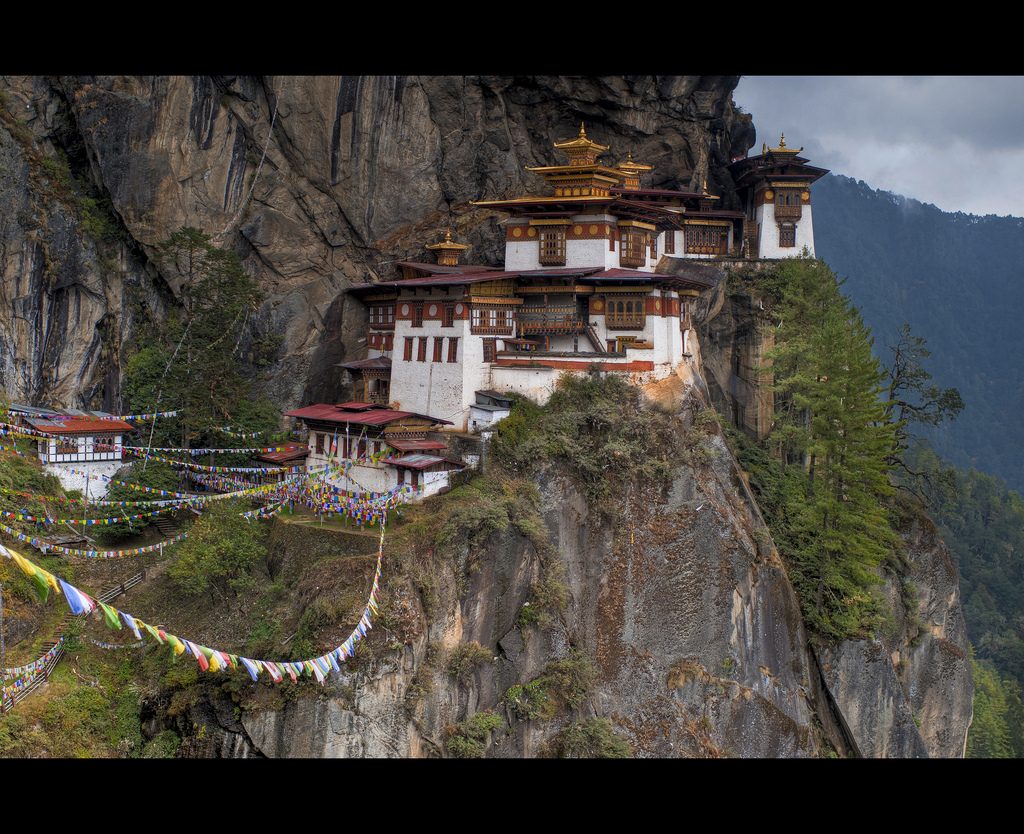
(330, 413)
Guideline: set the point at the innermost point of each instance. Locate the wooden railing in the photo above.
(113, 593)
(788, 212)
(633, 321)
(553, 319)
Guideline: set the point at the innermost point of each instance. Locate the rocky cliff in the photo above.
(317, 182)
(678, 627)
(909, 692)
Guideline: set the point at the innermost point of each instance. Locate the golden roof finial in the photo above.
(581, 150)
(705, 187)
(782, 148)
(448, 243)
(764, 148)
(447, 250)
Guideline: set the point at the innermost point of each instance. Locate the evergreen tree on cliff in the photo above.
(192, 362)
(832, 429)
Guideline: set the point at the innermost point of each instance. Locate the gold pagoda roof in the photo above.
(448, 244)
(633, 167)
(580, 142)
(781, 149)
(582, 150)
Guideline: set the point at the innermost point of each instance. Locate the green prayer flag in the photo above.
(110, 615)
(42, 586)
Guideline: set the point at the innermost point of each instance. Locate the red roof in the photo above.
(293, 451)
(330, 413)
(374, 363)
(80, 425)
(477, 277)
(422, 462)
(438, 269)
(357, 405)
(416, 445)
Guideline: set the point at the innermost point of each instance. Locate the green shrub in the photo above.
(599, 428)
(529, 701)
(464, 659)
(570, 678)
(468, 740)
(162, 746)
(594, 738)
(222, 552)
(564, 683)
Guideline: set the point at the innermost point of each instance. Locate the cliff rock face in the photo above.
(908, 693)
(317, 182)
(682, 604)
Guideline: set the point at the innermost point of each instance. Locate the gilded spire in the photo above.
(631, 172)
(448, 250)
(581, 150)
(782, 148)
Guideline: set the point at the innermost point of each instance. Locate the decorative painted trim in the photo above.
(634, 366)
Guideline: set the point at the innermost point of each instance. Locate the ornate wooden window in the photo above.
(707, 240)
(633, 250)
(67, 446)
(389, 342)
(625, 313)
(438, 347)
(417, 314)
(448, 314)
(654, 247)
(787, 235)
(453, 348)
(552, 245)
(788, 203)
(670, 242)
(382, 316)
(490, 349)
(320, 442)
(421, 355)
(492, 320)
(408, 349)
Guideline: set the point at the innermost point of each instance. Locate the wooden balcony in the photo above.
(633, 322)
(788, 212)
(488, 330)
(553, 319)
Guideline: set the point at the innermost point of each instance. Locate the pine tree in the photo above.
(191, 362)
(831, 429)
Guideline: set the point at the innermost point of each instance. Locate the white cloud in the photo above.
(956, 142)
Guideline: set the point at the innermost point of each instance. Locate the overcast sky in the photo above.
(955, 141)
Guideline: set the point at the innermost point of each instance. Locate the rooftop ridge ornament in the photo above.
(631, 172)
(581, 150)
(447, 250)
(781, 148)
